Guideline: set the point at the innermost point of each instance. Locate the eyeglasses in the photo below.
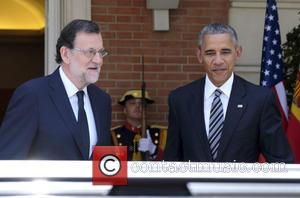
(90, 53)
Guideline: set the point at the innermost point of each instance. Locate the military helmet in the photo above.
(134, 94)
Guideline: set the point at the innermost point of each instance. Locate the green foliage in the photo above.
(291, 54)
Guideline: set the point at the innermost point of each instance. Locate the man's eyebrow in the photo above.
(226, 50)
(209, 51)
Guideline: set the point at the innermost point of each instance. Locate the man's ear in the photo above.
(199, 54)
(239, 51)
(65, 54)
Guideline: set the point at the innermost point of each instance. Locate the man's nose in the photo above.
(218, 59)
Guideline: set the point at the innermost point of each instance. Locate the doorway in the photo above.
(21, 45)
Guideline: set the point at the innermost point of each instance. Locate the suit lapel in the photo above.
(95, 103)
(100, 110)
(236, 107)
(199, 123)
(61, 101)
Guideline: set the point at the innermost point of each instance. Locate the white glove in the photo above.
(146, 144)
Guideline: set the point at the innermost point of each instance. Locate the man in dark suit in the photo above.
(222, 117)
(63, 115)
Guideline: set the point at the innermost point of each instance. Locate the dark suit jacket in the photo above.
(40, 123)
(248, 131)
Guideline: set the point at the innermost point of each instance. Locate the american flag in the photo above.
(272, 73)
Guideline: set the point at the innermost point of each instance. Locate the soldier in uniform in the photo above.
(130, 134)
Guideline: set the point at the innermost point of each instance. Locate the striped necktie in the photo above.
(216, 122)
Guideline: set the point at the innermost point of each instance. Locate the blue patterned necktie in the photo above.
(216, 122)
(83, 124)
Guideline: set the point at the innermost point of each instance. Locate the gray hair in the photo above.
(218, 28)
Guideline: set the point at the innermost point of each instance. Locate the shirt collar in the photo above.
(225, 88)
(132, 128)
(71, 89)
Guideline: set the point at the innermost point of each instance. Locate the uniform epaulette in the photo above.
(113, 128)
(158, 126)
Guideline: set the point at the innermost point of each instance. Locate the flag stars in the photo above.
(271, 65)
(267, 72)
(266, 38)
(271, 18)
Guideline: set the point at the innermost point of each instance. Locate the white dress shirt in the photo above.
(209, 89)
(71, 90)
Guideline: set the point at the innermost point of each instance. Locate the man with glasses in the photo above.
(64, 115)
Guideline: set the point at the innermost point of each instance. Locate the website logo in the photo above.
(110, 165)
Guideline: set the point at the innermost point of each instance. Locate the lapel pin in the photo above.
(239, 106)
